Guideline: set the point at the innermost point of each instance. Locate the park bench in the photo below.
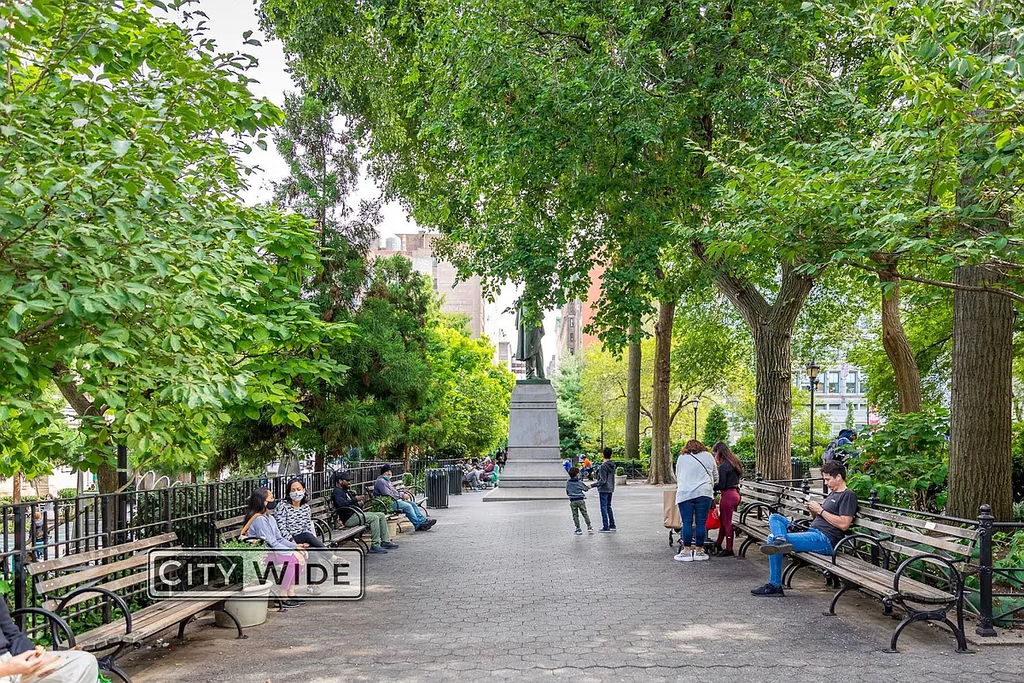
(329, 528)
(105, 577)
(917, 565)
(397, 517)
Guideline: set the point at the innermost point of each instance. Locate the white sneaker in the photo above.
(700, 556)
(684, 556)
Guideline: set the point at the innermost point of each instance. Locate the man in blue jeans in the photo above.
(832, 518)
(401, 501)
(605, 486)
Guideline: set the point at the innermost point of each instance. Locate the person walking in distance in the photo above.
(605, 486)
(729, 473)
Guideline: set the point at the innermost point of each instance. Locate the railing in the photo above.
(75, 525)
(996, 596)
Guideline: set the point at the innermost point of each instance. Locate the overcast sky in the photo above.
(229, 19)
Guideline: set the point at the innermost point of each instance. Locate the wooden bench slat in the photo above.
(76, 559)
(86, 575)
(958, 547)
(928, 525)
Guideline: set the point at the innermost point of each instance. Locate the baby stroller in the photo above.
(674, 524)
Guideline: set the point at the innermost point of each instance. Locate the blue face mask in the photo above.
(386, 476)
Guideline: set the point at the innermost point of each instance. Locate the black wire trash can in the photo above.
(437, 488)
(454, 480)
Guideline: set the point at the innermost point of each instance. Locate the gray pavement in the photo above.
(505, 591)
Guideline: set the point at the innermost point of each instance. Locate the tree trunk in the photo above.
(897, 347)
(16, 491)
(980, 460)
(772, 329)
(661, 471)
(106, 478)
(774, 405)
(633, 399)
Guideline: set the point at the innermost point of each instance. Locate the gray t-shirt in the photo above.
(844, 504)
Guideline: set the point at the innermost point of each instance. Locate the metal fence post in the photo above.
(165, 495)
(20, 557)
(985, 521)
(758, 477)
(873, 502)
(805, 485)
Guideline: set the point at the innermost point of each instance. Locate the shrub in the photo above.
(620, 471)
(67, 493)
(408, 479)
(906, 461)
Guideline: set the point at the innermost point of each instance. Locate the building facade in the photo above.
(841, 388)
(464, 297)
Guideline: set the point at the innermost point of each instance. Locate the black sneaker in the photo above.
(290, 603)
(777, 547)
(769, 590)
(428, 524)
(377, 550)
(389, 546)
(726, 553)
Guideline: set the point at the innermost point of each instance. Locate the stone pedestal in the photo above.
(534, 469)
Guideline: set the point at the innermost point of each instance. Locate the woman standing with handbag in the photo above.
(729, 473)
(696, 476)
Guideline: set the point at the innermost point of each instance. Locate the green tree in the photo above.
(130, 275)
(568, 384)
(716, 428)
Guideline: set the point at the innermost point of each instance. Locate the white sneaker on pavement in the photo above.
(699, 556)
(684, 556)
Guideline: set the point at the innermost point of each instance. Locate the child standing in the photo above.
(576, 489)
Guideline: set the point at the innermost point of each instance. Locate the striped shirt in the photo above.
(294, 520)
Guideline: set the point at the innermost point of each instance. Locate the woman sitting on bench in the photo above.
(260, 524)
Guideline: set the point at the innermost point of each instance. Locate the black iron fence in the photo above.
(994, 582)
(44, 530)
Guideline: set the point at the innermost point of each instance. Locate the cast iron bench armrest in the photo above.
(870, 540)
(103, 591)
(756, 506)
(905, 564)
(55, 621)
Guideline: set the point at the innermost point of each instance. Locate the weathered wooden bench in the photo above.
(397, 517)
(98, 577)
(917, 565)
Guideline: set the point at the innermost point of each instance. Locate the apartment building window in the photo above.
(851, 382)
(435, 284)
(834, 406)
(832, 387)
(572, 323)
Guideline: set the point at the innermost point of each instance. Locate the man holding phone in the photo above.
(21, 662)
(832, 518)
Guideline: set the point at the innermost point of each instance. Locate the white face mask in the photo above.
(297, 495)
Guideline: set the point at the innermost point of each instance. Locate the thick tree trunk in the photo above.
(106, 478)
(897, 347)
(774, 407)
(633, 400)
(661, 451)
(772, 328)
(980, 460)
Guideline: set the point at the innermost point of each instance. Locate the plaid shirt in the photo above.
(293, 520)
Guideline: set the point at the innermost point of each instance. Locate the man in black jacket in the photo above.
(605, 487)
(21, 661)
(346, 503)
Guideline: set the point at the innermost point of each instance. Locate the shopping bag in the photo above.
(672, 519)
(713, 521)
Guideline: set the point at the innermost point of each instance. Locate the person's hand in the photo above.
(360, 498)
(26, 664)
(302, 545)
(814, 507)
(405, 496)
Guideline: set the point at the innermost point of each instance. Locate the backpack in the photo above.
(836, 450)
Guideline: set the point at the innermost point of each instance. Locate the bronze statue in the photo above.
(528, 346)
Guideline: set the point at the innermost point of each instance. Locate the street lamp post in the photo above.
(696, 404)
(812, 374)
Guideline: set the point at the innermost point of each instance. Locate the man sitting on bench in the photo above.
(346, 503)
(401, 501)
(832, 518)
(22, 661)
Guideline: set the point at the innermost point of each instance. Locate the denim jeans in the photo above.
(411, 510)
(694, 513)
(607, 518)
(810, 541)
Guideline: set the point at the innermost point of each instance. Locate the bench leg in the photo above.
(793, 568)
(746, 544)
(958, 633)
(181, 627)
(843, 587)
(229, 615)
(107, 664)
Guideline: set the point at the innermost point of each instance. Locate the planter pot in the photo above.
(250, 608)
(620, 480)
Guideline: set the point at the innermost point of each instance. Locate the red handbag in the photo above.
(713, 521)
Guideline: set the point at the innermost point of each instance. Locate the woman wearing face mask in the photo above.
(295, 518)
(261, 525)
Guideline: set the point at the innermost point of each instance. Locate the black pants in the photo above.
(306, 537)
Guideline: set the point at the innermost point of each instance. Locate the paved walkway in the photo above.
(505, 591)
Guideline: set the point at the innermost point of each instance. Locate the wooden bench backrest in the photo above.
(114, 568)
(229, 529)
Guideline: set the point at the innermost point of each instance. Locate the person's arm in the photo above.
(17, 641)
(267, 531)
(842, 519)
(716, 476)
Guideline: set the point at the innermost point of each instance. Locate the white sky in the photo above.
(228, 20)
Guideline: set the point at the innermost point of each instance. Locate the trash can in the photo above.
(437, 488)
(454, 480)
(797, 468)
